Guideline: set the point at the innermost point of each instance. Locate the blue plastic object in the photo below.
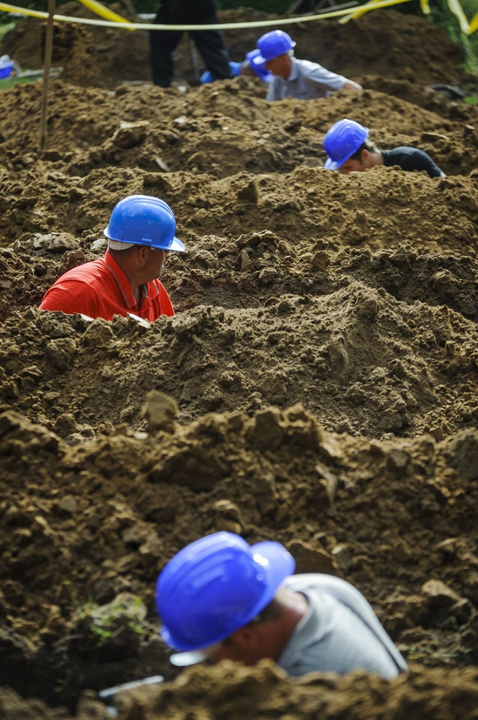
(216, 585)
(259, 68)
(206, 77)
(144, 220)
(342, 140)
(272, 44)
(7, 66)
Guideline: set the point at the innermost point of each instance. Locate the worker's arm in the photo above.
(351, 85)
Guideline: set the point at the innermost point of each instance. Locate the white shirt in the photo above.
(339, 633)
(307, 80)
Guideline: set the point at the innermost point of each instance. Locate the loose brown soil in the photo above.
(321, 369)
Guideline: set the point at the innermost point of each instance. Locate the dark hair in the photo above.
(370, 146)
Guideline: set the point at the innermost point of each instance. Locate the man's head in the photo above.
(141, 229)
(142, 220)
(275, 52)
(345, 144)
(212, 593)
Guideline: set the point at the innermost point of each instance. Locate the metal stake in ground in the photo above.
(46, 72)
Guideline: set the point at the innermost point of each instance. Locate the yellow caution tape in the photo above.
(473, 24)
(457, 11)
(220, 26)
(425, 7)
(103, 11)
(120, 22)
(358, 13)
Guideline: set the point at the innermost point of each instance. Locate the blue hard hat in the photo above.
(144, 220)
(342, 140)
(272, 44)
(216, 585)
(259, 68)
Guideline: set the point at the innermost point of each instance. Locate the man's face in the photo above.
(352, 166)
(242, 647)
(280, 65)
(155, 261)
(365, 162)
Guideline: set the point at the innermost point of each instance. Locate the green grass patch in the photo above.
(8, 83)
(6, 28)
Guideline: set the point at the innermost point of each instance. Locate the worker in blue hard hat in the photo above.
(141, 230)
(246, 67)
(222, 599)
(294, 78)
(349, 150)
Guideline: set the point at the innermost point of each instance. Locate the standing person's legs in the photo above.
(162, 44)
(209, 43)
(212, 50)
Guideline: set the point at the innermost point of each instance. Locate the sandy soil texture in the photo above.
(317, 385)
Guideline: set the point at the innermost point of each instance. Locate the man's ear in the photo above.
(245, 636)
(366, 158)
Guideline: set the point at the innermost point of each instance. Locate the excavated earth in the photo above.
(318, 384)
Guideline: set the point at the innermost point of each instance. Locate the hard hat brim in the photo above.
(176, 245)
(277, 564)
(185, 659)
(333, 164)
(258, 60)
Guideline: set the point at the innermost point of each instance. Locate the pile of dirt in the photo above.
(232, 693)
(319, 380)
(94, 519)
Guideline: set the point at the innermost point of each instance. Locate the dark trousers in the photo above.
(209, 43)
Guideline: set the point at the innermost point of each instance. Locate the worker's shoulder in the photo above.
(307, 66)
(411, 158)
(407, 150)
(85, 272)
(314, 580)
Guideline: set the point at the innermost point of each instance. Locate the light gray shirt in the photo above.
(339, 633)
(307, 80)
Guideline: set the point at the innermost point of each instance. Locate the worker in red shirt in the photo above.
(125, 281)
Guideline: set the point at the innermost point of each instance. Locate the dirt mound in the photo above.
(345, 351)
(235, 693)
(354, 507)
(321, 369)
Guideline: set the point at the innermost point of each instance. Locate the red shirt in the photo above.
(101, 289)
